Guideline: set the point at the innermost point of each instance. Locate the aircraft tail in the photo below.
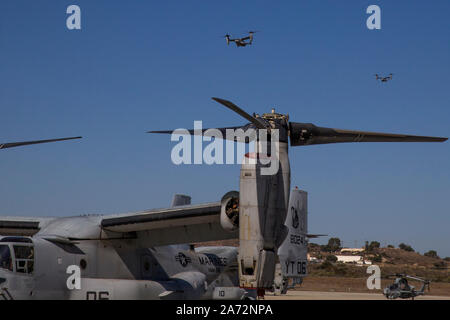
(293, 251)
(424, 285)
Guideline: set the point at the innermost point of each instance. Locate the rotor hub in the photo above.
(274, 116)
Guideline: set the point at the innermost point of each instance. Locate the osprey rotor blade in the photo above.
(209, 133)
(309, 134)
(25, 143)
(230, 105)
(313, 236)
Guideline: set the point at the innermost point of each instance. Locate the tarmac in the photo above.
(320, 295)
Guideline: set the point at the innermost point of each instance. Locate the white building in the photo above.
(359, 260)
(352, 250)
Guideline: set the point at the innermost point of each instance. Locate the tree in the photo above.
(390, 246)
(447, 259)
(431, 254)
(373, 245)
(405, 247)
(331, 258)
(334, 244)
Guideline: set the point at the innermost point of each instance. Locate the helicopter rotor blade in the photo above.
(25, 143)
(308, 134)
(230, 105)
(416, 278)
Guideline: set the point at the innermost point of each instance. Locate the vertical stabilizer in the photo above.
(293, 252)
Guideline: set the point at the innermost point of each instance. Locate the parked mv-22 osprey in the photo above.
(129, 256)
(144, 255)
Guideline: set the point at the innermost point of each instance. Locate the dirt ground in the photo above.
(341, 284)
(321, 295)
(353, 279)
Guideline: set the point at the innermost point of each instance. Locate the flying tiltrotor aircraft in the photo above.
(241, 42)
(144, 255)
(383, 79)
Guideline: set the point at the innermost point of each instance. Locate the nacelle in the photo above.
(229, 212)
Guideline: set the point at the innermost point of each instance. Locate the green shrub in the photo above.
(405, 247)
(376, 258)
(440, 265)
(431, 254)
(331, 258)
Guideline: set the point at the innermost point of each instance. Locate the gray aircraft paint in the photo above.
(293, 252)
(263, 208)
(116, 267)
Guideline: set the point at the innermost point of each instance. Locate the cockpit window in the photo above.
(5, 258)
(24, 257)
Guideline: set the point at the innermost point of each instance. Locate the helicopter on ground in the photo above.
(241, 42)
(401, 289)
(383, 79)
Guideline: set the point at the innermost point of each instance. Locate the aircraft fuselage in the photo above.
(113, 269)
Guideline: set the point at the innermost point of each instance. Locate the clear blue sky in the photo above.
(153, 65)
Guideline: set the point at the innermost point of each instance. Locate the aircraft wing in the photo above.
(176, 225)
(21, 226)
